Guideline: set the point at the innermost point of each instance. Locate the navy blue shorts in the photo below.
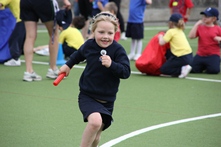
(89, 105)
(33, 10)
(135, 30)
(208, 64)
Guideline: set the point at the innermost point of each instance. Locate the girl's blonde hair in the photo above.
(104, 16)
(180, 24)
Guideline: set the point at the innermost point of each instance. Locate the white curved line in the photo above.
(144, 130)
(133, 72)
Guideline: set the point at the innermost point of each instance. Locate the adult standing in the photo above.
(183, 7)
(31, 12)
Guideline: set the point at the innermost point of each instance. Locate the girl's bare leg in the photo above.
(91, 134)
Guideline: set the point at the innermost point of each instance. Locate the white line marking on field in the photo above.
(144, 130)
(146, 28)
(46, 63)
(135, 72)
(202, 79)
(189, 78)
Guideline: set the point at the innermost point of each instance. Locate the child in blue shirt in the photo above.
(135, 27)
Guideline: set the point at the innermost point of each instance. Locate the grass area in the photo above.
(38, 114)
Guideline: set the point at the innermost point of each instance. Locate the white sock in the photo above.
(133, 46)
(139, 46)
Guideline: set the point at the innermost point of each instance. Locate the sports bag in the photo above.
(152, 57)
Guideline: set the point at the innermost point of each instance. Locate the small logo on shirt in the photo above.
(102, 52)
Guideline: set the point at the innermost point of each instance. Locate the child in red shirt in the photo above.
(207, 57)
(181, 6)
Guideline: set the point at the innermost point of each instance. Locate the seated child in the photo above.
(207, 58)
(177, 65)
(70, 36)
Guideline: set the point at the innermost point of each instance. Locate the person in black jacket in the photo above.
(107, 63)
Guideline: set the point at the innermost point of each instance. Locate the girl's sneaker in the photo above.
(29, 77)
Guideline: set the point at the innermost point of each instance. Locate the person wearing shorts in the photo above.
(31, 13)
(90, 105)
(135, 28)
(107, 64)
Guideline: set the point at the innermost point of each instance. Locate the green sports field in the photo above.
(150, 111)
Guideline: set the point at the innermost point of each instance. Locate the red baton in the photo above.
(59, 78)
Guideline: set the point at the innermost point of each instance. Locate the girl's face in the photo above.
(208, 20)
(104, 33)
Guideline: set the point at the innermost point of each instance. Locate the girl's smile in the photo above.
(104, 33)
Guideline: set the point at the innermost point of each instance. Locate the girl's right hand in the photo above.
(64, 69)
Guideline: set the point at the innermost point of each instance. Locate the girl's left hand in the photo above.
(106, 60)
